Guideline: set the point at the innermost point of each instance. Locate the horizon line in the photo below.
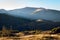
(30, 7)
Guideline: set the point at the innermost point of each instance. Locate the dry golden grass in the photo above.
(42, 37)
(34, 37)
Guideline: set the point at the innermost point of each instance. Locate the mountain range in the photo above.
(30, 18)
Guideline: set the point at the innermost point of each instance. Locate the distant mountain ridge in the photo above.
(34, 13)
(37, 13)
(30, 18)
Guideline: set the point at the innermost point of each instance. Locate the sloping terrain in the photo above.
(25, 24)
(30, 18)
(37, 13)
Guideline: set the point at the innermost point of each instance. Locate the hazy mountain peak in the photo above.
(34, 8)
(30, 7)
(3, 11)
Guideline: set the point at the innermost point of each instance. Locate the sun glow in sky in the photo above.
(14, 4)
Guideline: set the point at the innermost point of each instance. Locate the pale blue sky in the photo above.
(14, 4)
